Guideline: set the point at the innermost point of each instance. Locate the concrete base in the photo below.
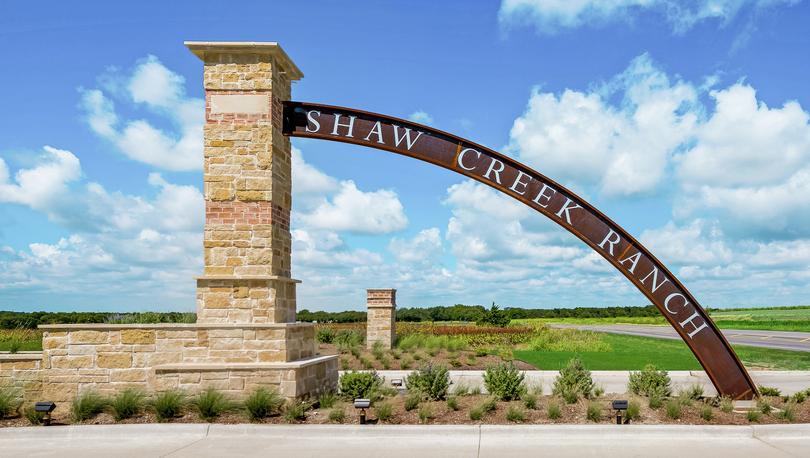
(351, 441)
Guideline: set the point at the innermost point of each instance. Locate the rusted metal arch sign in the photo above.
(547, 197)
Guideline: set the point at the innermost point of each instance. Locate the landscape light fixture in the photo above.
(362, 404)
(47, 407)
(397, 382)
(619, 406)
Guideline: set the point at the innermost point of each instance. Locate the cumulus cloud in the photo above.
(551, 16)
(422, 117)
(620, 149)
(353, 210)
(44, 186)
(422, 247)
(160, 92)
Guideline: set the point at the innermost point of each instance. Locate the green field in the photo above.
(767, 318)
(632, 353)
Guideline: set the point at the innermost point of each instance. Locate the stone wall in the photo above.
(22, 371)
(381, 320)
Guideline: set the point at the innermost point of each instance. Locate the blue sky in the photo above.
(686, 122)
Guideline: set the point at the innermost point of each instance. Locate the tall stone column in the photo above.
(247, 176)
(381, 318)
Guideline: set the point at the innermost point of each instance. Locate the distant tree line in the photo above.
(30, 320)
(478, 313)
(458, 312)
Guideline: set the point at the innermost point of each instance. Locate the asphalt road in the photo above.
(783, 340)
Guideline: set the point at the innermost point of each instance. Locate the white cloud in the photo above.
(550, 16)
(423, 246)
(622, 150)
(421, 117)
(44, 186)
(162, 93)
(353, 210)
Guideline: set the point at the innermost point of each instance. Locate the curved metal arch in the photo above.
(553, 200)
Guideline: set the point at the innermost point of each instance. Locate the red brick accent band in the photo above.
(234, 212)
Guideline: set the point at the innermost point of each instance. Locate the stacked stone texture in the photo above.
(248, 185)
(381, 319)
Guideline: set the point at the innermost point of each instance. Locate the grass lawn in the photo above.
(632, 353)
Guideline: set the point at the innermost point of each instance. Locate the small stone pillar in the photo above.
(382, 316)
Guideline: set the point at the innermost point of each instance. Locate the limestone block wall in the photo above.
(108, 358)
(22, 371)
(381, 319)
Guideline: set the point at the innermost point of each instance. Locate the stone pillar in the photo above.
(247, 176)
(382, 316)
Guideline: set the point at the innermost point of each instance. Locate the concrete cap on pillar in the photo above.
(209, 50)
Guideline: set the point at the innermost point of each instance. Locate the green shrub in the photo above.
(425, 413)
(210, 404)
(694, 392)
(405, 363)
(475, 391)
(354, 385)
(384, 411)
(386, 363)
(673, 409)
(14, 345)
(476, 413)
(344, 364)
(396, 354)
(389, 391)
(573, 381)
(764, 407)
(769, 391)
(452, 403)
(753, 416)
(355, 351)
(684, 399)
(168, 405)
(366, 363)
(295, 411)
(788, 413)
(461, 390)
(489, 404)
(649, 380)
(347, 338)
(87, 405)
(34, 417)
(413, 400)
(337, 415)
(598, 391)
(655, 401)
(504, 381)
(417, 356)
(530, 401)
(455, 362)
(706, 413)
(798, 397)
(10, 401)
(325, 335)
(633, 411)
(515, 414)
(726, 405)
(554, 411)
(594, 412)
(262, 403)
(431, 380)
(481, 351)
(326, 400)
(127, 404)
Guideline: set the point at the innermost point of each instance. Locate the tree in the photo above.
(495, 317)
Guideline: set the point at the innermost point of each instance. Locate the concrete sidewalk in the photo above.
(497, 441)
(788, 382)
